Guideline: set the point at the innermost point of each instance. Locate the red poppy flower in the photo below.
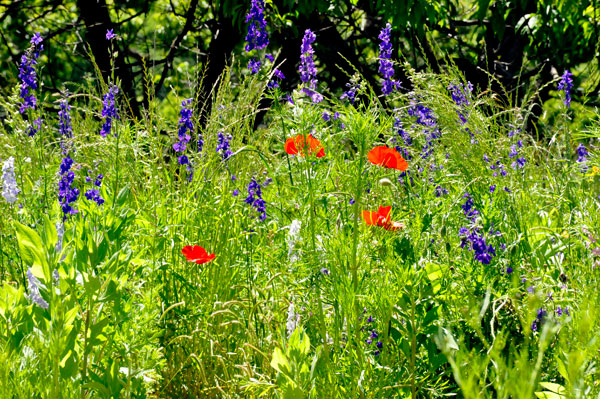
(197, 254)
(295, 145)
(388, 158)
(381, 218)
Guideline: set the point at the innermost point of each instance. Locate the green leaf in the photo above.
(280, 362)
(483, 6)
(30, 248)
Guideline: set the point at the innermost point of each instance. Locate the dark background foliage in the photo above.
(513, 40)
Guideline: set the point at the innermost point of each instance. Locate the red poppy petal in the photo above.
(290, 146)
(204, 259)
(384, 211)
(369, 217)
(375, 155)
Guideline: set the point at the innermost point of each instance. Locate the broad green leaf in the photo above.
(280, 362)
(31, 247)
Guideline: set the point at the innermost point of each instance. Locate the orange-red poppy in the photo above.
(381, 218)
(388, 158)
(295, 145)
(197, 254)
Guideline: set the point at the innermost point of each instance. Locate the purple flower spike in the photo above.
(566, 84)
(386, 66)
(28, 75)
(308, 70)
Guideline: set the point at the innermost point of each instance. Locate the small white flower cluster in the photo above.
(60, 232)
(292, 319)
(9, 185)
(293, 239)
(33, 287)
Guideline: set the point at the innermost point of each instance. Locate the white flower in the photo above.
(292, 319)
(33, 286)
(9, 185)
(292, 239)
(60, 232)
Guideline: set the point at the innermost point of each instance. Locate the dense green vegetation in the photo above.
(479, 281)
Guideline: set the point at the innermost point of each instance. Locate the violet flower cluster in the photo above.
(539, 319)
(93, 194)
(109, 110)
(257, 37)
(278, 76)
(27, 73)
(386, 66)
(223, 146)
(35, 127)
(566, 84)
(67, 194)
(519, 162)
(308, 70)
(373, 335)
(185, 126)
(9, 182)
(472, 238)
(582, 154)
(355, 86)
(426, 118)
(255, 199)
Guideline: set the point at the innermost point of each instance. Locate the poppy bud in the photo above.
(385, 182)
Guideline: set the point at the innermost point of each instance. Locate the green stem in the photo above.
(85, 346)
(284, 138)
(116, 170)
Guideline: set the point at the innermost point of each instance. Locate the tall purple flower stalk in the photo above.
(109, 110)
(582, 154)
(472, 238)
(255, 199)
(27, 73)
(386, 66)
(566, 84)
(223, 146)
(185, 126)
(93, 194)
(308, 70)
(67, 194)
(460, 96)
(257, 37)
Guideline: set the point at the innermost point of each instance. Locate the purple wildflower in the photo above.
(460, 96)
(539, 319)
(257, 37)
(109, 110)
(67, 194)
(110, 35)
(34, 128)
(186, 127)
(255, 199)
(386, 66)
(223, 146)
(278, 76)
(582, 154)
(566, 84)
(27, 73)
(308, 70)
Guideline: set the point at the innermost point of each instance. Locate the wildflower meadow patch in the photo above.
(409, 234)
